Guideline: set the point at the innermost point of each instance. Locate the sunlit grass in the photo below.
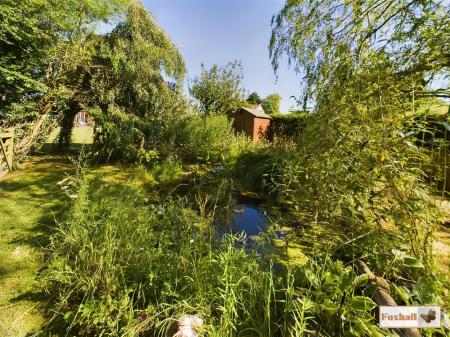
(80, 135)
(31, 200)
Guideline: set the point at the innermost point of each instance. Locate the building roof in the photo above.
(257, 113)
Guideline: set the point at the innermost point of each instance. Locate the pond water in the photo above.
(246, 216)
(248, 219)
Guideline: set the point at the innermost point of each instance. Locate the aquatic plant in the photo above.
(123, 265)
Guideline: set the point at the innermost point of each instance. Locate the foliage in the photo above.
(271, 104)
(123, 266)
(318, 36)
(123, 84)
(218, 90)
(254, 98)
(38, 42)
(117, 134)
(357, 166)
(20, 39)
(206, 139)
(167, 171)
(288, 125)
(337, 298)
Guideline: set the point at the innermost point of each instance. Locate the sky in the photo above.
(219, 31)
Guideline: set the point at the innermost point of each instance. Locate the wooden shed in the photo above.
(253, 122)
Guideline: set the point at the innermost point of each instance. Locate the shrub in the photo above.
(287, 125)
(206, 139)
(116, 135)
(169, 170)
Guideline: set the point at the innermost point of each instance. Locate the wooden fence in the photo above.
(6, 150)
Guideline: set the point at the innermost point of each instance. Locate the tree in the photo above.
(318, 36)
(218, 90)
(271, 104)
(123, 83)
(254, 98)
(365, 63)
(36, 40)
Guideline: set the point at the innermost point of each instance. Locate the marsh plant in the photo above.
(121, 265)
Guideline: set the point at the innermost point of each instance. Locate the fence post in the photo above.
(7, 147)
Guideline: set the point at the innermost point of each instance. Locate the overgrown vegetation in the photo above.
(123, 266)
(355, 177)
(288, 125)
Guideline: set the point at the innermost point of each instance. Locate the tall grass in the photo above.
(122, 266)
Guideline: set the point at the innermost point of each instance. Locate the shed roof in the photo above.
(257, 113)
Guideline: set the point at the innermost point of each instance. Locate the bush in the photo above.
(167, 171)
(206, 139)
(288, 125)
(116, 135)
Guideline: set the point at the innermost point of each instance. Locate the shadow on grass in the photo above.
(33, 296)
(74, 149)
(31, 202)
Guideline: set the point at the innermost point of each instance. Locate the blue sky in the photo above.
(219, 31)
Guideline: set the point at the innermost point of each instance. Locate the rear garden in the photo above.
(132, 207)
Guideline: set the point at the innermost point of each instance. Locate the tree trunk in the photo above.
(383, 296)
(27, 142)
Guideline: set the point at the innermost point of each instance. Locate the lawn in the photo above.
(31, 202)
(80, 135)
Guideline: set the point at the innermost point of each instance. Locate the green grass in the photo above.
(31, 200)
(127, 228)
(122, 265)
(80, 135)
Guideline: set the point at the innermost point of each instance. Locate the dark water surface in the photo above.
(246, 216)
(248, 219)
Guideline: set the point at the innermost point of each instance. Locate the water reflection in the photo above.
(242, 218)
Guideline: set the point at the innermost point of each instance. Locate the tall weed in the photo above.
(124, 266)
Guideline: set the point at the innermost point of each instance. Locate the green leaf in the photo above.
(359, 280)
(361, 303)
(412, 262)
(67, 315)
(330, 307)
(346, 281)
(403, 293)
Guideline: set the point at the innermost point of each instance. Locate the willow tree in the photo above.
(130, 81)
(365, 65)
(36, 39)
(316, 36)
